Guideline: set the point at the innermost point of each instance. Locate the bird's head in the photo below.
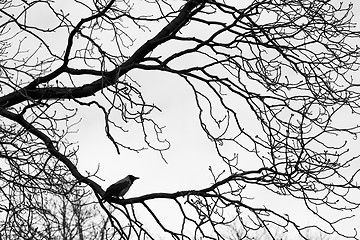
(132, 178)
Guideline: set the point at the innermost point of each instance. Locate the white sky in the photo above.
(189, 157)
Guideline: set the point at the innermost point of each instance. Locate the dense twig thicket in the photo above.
(273, 78)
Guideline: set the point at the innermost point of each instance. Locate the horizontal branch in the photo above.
(58, 92)
(205, 192)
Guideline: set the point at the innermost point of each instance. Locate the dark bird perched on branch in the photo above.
(119, 188)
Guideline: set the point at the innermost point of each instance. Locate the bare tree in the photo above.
(273, 78)
(44, 215)
(236, 233)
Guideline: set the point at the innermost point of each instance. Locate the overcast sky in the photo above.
(189, 157)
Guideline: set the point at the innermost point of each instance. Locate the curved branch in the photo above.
(51, 148)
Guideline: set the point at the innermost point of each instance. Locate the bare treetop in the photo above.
(276, 79)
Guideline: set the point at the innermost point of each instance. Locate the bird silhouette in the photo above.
(119, 188)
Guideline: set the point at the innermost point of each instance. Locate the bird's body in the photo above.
(119, 188)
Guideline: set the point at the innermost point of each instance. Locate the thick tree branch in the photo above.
(109, 78)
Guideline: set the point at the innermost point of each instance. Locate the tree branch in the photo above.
(51, 148)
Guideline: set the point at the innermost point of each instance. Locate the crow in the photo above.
(119, 188)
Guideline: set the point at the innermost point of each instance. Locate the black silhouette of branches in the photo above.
(274, 82)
